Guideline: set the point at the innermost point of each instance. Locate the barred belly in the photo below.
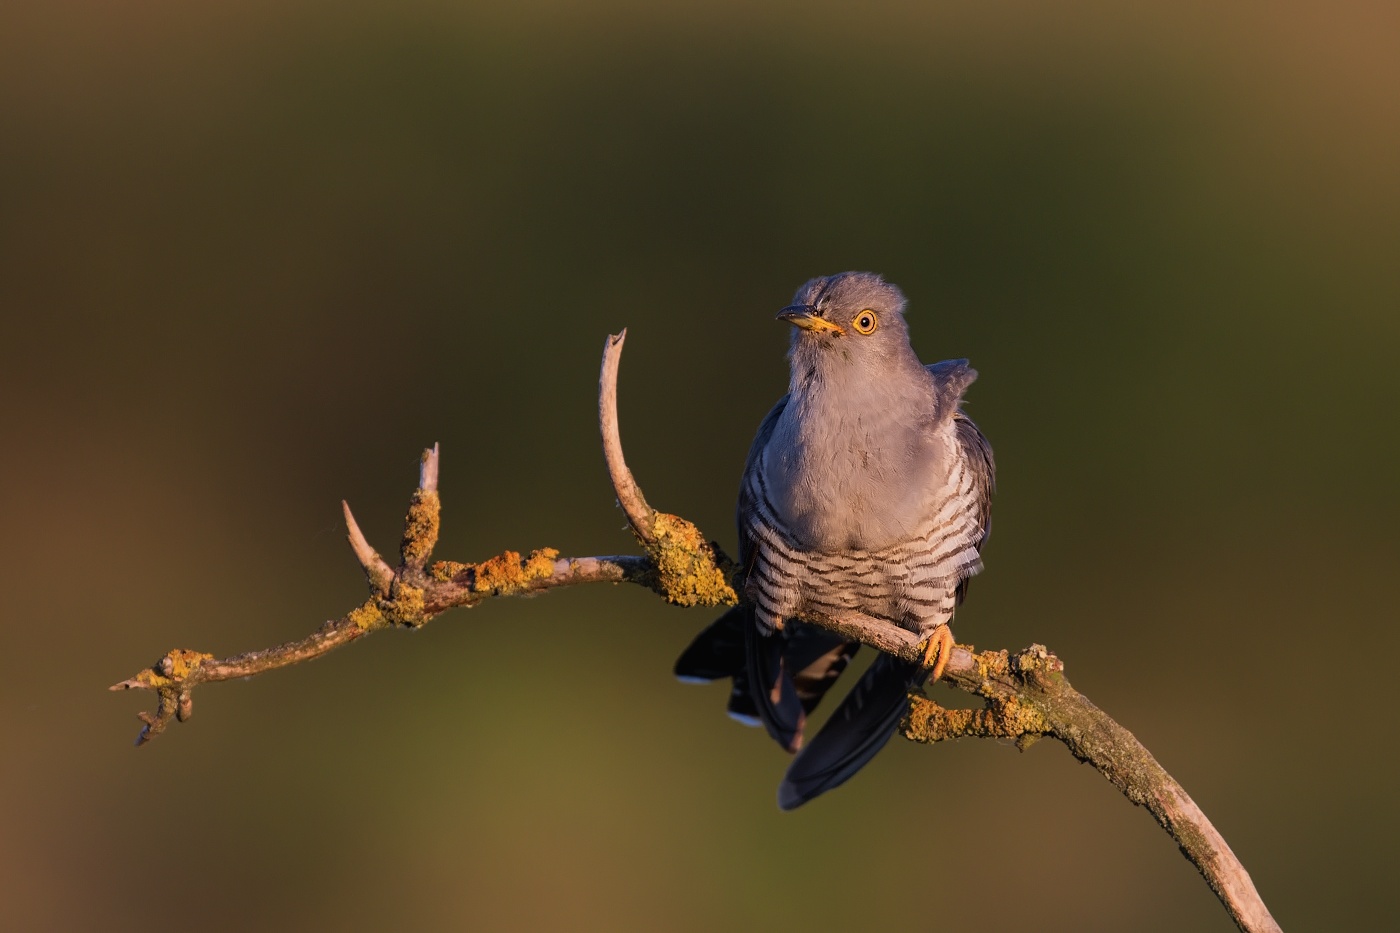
(912, 583)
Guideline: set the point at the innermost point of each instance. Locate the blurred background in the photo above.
(255, 256)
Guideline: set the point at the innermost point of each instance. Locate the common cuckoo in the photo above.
(866, 490)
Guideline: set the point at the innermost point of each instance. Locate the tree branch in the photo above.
(1027, 696)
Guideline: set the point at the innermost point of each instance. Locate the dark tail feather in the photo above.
(795, 667)
(817, 657)
(718, 651)
(741, 706)
(857, 730)
(772, 689)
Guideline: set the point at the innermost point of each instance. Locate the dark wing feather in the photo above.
(771, 687)
(766, 670)
(745, 506)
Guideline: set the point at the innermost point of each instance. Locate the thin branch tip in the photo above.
(377, 572)
(640, 515)
(428, 469)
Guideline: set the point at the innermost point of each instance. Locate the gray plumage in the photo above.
(859, 493)
(866, 489)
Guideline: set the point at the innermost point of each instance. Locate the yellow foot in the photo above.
(937, 650)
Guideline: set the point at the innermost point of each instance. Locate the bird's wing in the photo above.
(778, 679)
(789, 671)
(978, 453)
(718, 651)
(745, 506)
(951, 379)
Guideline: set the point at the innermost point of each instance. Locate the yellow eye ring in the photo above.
(865, 322)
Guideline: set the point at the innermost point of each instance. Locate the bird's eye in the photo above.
(864, 322)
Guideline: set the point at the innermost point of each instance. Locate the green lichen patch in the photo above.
(686, 571)
(420, 529)
(509, 573)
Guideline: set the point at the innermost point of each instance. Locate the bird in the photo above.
(866, 489)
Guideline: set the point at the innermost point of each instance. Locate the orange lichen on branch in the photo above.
(1010, 718)
(1011, 685)
(421, 526)
(687, 570)
(1038, 662)
(175, 667)
(404, 605)
(509, 573)
(990, 667)
(445, 571)
(169, 678)
(990, 663)
(366, 617)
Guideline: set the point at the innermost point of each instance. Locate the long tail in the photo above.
(857, 730)
(771, 688)
(792, 670)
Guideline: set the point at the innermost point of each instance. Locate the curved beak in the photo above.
(805, 317)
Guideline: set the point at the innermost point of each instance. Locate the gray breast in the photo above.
(911, 581)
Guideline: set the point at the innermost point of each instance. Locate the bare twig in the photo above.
(428, 470)
(690, 571)
(629, 495)
(1027, 695)
(377, 572)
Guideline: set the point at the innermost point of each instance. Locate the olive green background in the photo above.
(254, 256)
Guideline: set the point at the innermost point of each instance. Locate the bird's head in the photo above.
(854, 319)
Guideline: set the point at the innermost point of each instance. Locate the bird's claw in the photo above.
(937, 650)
